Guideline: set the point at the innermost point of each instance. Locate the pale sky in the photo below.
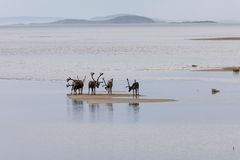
(162, 9)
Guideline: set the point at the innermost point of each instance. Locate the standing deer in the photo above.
(134, 87)
(108, 86)
(94, 83)
(77, 85)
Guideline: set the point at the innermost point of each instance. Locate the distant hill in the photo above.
(123, 19)
(26, 20)
(130, 19)
(72, 21)
(109, 17)
(112, 19)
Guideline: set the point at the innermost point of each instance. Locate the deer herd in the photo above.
(77, 85)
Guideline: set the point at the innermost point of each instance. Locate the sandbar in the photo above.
(224, 69)
(219, 39)
(103, 98)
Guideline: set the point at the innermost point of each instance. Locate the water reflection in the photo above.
(110, 106)
(133, 112)
(235, 73)
(134, 104)
(103, 112)
(93, 108)
(82, 111)
(75, 109)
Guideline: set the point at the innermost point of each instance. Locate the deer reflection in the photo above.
(76, 109)
(110, 107)
(135, 106)
(93, 108)
(96, 112)
(236, 73)
(133, 111)
(77, 103)
(102, 112)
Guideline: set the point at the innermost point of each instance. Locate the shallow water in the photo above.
(53, 53)
(38, 121)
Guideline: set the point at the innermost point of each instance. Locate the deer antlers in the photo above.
(92, 73)
(99, 76)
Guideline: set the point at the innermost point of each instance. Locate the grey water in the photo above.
(38, 120)
(53, 53)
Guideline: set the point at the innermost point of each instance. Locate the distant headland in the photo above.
(111, 19)
(122, 19)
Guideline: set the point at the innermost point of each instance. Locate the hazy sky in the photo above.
(162, 9)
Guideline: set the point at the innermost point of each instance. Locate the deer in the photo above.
(92, 85)
(108, 86)
(134, 87)
(77, 85)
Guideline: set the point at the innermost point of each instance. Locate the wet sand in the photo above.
(224, 69)
(219, 39)
(102, 98)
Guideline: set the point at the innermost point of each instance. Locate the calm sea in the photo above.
(53, 53)
(39, 122)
